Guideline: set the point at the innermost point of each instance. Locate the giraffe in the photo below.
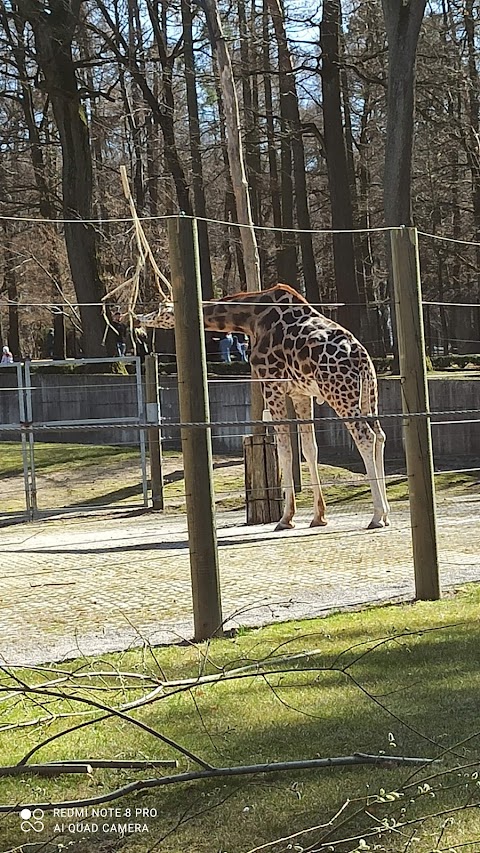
(297, 351)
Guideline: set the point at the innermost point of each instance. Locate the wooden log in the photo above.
(264, 502)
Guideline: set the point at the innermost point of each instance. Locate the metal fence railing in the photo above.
(32, 415)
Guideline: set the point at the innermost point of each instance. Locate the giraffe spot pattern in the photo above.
(298, 351)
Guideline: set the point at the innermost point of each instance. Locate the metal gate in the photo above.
(31, 412)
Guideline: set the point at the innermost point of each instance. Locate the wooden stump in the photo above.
(264, 500)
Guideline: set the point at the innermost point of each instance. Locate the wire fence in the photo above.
(87, 585)
(451, 329)
(81, 423)
(87, 458)
(450, 286)
(121, 575)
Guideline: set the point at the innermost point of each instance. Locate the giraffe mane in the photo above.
(285, 287)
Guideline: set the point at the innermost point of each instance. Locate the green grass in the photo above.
(69, 475)
(400, 680)
(63, 457)
(64, 479)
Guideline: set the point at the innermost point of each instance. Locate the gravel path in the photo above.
(81, 585)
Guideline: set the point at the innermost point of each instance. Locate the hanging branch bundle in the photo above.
(129, 290)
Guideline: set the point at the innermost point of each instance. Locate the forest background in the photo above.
(331, 141)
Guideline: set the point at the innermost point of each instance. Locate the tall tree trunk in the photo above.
(136, 157)
(46, 194)
(152, 142)
(363, 196)
(195, 151)
(133, 101)
(402, 24)
(337, 166)
(153, 162)
(402, 21)
(10, 284)
(473, 116)
(291, 114)
(53, 38)
(271, 144)
(232, 232)
(288, 253)
(252, 156)
(474, 150)
(235, 147)
(352, 182)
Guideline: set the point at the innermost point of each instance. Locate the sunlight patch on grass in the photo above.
(64, 479)
(401, 680)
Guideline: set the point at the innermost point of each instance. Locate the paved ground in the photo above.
(87, 585)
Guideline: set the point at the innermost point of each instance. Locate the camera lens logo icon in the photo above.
(32, 821)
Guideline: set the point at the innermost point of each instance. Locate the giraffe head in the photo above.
(163, 318)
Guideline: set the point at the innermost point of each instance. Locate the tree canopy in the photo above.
(352, 116)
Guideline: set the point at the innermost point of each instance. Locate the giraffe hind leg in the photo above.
(380, 439)
(365, 439)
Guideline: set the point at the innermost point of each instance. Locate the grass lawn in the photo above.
(401, 680)
(64, 475)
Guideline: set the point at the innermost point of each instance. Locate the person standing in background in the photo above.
(242, 346)
(121, 331)
(226, 344)
(7, 357)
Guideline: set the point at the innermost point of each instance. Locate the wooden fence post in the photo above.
(417, 430)
(196, 442)
(154, 443)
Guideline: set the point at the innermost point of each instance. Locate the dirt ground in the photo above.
(108, 484)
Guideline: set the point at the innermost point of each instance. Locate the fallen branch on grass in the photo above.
(216, 772)
(59, 768)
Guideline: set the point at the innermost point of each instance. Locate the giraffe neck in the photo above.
(229, 318)
(243, 312)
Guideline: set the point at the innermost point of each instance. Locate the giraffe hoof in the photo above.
(376, 525)
(318, 522)
(284, 525)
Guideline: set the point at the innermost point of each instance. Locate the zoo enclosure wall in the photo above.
(86, 397)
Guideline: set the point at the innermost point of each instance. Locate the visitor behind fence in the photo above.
(50, 343)
(138, 341)
(7, 357)
(226, 344)
(121, 331)
(241, 345)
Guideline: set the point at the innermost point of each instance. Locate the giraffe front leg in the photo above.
(304, 410)
(284, 448)
(310, 452)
